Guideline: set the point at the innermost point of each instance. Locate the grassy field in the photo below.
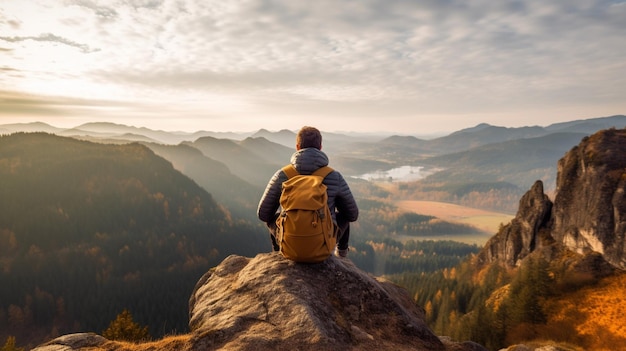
(484, 220)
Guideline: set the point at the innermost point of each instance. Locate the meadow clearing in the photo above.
(484, 220)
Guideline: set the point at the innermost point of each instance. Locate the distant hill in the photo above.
(404, 139)
(589, 125)
(114, 131)
(519, 161)
(166, 137)
(269, 151)
(243, 161)
(89, 229)
(284, 137)
(239, 196)
(408, 149)
(29, 127)
(332, 143)
(483, 135)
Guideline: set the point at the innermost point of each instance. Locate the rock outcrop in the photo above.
(590, 203)
(78, 341)
(271, 303)
(525, 233)
(588, 215)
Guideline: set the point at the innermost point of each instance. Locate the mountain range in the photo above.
(462, 139)
(484, 153)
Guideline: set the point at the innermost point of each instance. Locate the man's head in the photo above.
(309, 137)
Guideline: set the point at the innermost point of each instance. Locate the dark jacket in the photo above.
(307, 161)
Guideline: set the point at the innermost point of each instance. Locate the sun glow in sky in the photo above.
(406, 66)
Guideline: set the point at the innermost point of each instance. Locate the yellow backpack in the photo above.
(306, 232)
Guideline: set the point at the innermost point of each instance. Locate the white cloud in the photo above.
(348, 59)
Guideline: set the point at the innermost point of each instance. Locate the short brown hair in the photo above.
(309, 137)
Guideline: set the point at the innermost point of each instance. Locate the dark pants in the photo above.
(342, 227)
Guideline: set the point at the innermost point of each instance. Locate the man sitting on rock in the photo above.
(307, 159)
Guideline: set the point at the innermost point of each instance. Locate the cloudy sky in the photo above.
(407, 66)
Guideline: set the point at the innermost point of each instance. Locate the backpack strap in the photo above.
(291, 171)
(323, 171)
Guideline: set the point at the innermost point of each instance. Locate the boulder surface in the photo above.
(271, 303)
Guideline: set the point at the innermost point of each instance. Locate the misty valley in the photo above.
(105, 218)
(399, 174)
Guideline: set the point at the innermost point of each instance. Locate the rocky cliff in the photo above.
(590, 204)
(588, 215)
(525, 233)
(270, 303)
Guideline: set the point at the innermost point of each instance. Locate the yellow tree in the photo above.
(124, 328)
(10, 345)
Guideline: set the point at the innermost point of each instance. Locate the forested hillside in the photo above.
(228, 189)
(540, 301)
(87, 230)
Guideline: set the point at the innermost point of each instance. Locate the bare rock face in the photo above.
(590, 205)
(525, 233)
(270, 303)
(588, 215)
